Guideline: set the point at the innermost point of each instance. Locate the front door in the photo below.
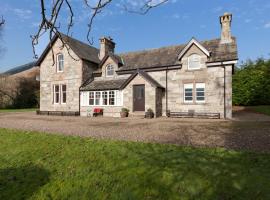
(138, 98)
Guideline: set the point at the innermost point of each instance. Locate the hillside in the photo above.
(28, 70)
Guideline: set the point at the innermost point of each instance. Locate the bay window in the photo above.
(102, 98)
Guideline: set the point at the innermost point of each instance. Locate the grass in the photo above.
(261, 109)
(18, 110)
(44, 166)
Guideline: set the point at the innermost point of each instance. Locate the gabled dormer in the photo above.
(110, 62)
(194, 56)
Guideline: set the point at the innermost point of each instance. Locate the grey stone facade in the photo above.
(164, 73)
(72, 76)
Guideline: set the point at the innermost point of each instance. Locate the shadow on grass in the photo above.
(201, 174)
(22, 182)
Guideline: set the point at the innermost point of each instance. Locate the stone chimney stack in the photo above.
(226, 21)
(106, 46)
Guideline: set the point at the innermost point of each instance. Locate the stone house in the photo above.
(194, 77)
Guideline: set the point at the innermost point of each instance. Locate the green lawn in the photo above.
(43, 166)
(18, 110)
(261, 109)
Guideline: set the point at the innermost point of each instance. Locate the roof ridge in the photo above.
(164, 47)
(69, 37)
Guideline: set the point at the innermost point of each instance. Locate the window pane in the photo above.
(109, 70)
(200, 98)
(104, 98)
(188, 92)
(194, 61)
(91, 98)
(64, 93)
(111, 98)
(56, 88)
(60, 62)
(98, 97)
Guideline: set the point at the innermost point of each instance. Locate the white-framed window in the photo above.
(200, 92)
(102, 98)
(59, 94)
(60, 62)
(109, 70)
(188, 93)
(91, 98)
(56, 94)
(194, 62)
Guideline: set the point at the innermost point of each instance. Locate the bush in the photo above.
(251, 83)
(125, 110)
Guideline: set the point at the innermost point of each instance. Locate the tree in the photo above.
(251, 83)
(2, 22)
(50, 20)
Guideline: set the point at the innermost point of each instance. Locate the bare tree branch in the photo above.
(48, 22)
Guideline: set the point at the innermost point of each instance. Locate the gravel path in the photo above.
(236, 134)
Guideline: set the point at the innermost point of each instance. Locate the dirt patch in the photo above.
(242, 133)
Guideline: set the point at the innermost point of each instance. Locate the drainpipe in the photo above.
(167, 91)
(224, 69)
(80, 100)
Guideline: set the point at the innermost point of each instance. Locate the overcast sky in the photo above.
(174, 23)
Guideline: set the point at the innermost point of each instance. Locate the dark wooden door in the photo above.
(138, 98)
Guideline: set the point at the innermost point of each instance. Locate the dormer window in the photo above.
(109, 70)
(60, 63)
(194, 62)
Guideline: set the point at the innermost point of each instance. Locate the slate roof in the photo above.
(81, 49)
(117, 84)
(104, 85)
(20, 68)
(146, 76)
(168, 56)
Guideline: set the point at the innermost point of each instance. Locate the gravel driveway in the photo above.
(241, 133)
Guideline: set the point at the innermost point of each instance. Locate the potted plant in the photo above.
(149, 113)
(124, 112)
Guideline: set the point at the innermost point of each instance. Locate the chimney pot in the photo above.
(225, 21)
(106, 46)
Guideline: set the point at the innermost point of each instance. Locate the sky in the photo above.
(173, 23)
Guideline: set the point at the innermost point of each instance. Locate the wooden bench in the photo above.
(194, 115)
(58, 113)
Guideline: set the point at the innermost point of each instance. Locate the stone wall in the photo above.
(150, 94)
(108, 111)
(71, 76)
(213, 77)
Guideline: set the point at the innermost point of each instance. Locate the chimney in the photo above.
(106, 46)
(225, 21)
